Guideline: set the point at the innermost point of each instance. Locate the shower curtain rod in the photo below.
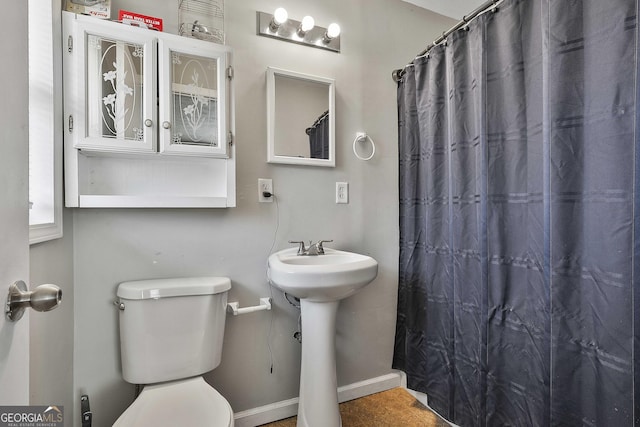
(490, 4)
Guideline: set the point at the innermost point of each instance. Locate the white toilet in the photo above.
(171, 332)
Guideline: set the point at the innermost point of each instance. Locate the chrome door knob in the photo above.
(42, 298)
(166, 125)
(148, 123)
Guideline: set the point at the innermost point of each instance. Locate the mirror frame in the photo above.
(272, 157)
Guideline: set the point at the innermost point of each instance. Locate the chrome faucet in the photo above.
(313, 249)
(301, 249)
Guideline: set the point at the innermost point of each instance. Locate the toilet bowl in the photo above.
(171, 332)
(190, 402)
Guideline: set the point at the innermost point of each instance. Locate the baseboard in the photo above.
(367, 387)
(266, 414)
(289, 408)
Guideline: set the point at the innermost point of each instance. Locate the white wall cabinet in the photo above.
(149, 118)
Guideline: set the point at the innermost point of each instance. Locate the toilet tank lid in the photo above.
(164, 288)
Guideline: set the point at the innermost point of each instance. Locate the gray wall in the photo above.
(51, 337)
(115, 245)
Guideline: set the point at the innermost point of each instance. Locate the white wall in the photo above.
(452, 8)
(115, 245)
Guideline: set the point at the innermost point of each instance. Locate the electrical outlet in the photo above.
(342, 192)
(265, 185)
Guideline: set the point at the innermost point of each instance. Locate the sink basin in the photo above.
(329, 277)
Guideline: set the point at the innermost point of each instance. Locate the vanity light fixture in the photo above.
(305, 32)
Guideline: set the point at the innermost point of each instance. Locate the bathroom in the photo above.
(74, 349)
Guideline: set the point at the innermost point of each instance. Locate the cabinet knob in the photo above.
(148, 123)
(166, 125)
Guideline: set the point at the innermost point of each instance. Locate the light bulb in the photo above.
(280, 16)
(307, 23)
(333, 31)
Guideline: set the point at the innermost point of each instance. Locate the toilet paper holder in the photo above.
(234, 307)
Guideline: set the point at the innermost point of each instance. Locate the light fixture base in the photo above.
(288, 31)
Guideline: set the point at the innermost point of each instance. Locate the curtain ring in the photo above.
(396, 75)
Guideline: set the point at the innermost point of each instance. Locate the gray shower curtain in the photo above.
(518, 300)
(319, 137)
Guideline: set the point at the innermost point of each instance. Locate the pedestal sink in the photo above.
(320, 281)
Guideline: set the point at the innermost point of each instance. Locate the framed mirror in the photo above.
(300, 118)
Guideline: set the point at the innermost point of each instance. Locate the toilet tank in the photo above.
(171, 328)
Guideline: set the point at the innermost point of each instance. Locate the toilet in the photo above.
(171, 333)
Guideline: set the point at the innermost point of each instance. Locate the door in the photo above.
(114, 108)
(14, 218)
(192, 83)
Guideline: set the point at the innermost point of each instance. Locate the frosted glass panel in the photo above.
(114, 89)
(195, 100)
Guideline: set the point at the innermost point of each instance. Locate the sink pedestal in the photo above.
(318, 405)
(320, 282)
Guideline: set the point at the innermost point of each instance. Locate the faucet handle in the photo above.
(320, 247)
(301, 249)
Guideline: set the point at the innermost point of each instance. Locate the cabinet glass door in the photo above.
(119, 86)
(115, 89)
(192, 99)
